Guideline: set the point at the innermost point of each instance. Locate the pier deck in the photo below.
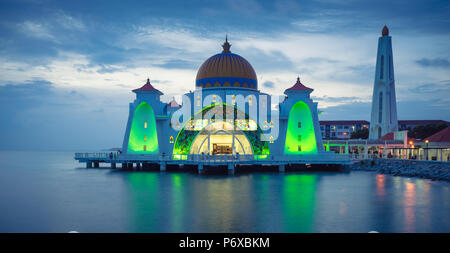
(202, 161)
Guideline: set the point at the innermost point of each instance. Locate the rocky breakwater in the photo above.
(410, 168)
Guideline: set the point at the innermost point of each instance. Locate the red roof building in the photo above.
(298, 86)
(441, 136)
(147, 87)
(173, 103)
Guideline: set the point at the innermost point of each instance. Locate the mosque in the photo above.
(226, 115)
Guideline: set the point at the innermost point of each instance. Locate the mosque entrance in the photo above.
(221, 138)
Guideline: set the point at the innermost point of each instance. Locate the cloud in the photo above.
(268, 84)
(40, 115)
(436, 63)
(79, 63)
(442, 87)
(36, 30)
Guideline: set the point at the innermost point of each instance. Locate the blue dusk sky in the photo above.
(67, 68)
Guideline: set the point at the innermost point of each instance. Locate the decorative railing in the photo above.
(327, 156)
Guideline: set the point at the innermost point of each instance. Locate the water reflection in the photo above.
(52, 196)
(409, 202)
(299, 202)
(380, 184)
(181, 202)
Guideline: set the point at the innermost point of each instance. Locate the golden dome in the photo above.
(225, 69)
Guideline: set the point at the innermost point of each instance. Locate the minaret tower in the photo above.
(384, 106)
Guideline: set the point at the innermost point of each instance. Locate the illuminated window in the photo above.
(250, 100)
(145, 138)
(171, 139)
(214, 98)
(234, 99)
(271, 139)
(198, 100)
(145, 124)
(299, 124)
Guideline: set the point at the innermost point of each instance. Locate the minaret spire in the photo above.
(384, 104)
(226, 46)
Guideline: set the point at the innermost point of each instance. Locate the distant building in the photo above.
(341, 129)
(383, 118)
(410, 124)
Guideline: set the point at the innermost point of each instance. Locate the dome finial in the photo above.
(385, 31)
(226, 46)
(298, 79)
(148, 80)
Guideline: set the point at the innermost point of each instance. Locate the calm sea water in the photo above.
(50, 192)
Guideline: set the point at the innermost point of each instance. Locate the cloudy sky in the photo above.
(67, 67)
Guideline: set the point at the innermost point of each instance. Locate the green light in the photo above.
(300, 135)
(299, 193)
(143, 137)
(185, 138)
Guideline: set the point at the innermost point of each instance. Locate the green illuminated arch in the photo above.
(300, 135)
(185, 138)
(143, 137)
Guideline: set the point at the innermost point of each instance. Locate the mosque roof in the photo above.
(147, 87)
(173, 103)
(441, 136)
(226, 70)
(299, 86)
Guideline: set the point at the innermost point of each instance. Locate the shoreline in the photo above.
(434, 170)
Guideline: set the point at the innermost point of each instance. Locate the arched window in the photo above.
(390, 68)
(381, 66)
(380, 107)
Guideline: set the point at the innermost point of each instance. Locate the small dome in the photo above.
(385, 31)
(226, 70)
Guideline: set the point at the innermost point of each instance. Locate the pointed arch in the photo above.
(143, 137)
(300, 133)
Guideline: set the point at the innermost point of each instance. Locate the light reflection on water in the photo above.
(48, 192)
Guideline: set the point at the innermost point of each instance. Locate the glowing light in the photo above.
(300, 137)
(426, 141)
(143, 138)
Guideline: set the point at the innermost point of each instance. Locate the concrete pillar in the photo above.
(162, 166)
(113, 165)
(230, 169)
(89, 164)
(281, 168)
(96, 164)
(138, 166)
(130, 166)
(346, 147)
(201, 170)
(366, 151)
(124, 166)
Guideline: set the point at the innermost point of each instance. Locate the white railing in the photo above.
(326, 156)
(92, 155)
